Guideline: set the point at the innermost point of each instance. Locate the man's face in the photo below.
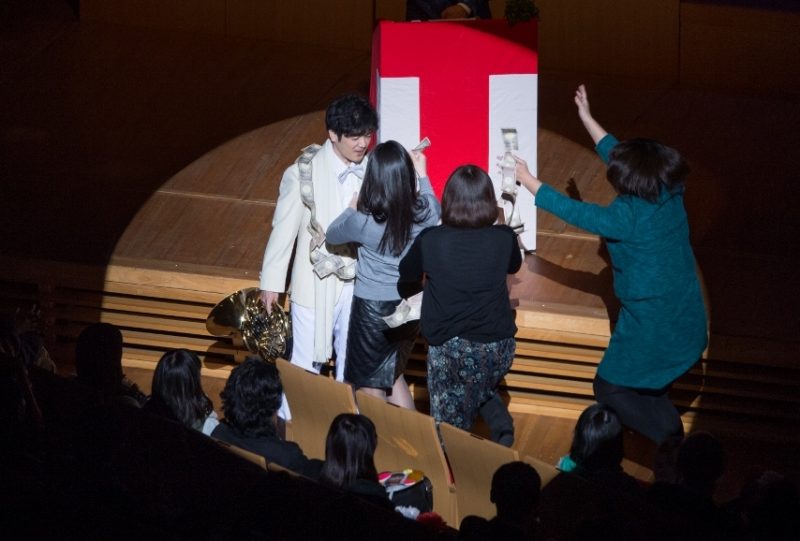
(350, 148)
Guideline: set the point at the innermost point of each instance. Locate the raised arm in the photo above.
(595, 130)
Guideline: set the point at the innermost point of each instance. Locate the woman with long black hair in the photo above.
(177, 392)
(384, 218)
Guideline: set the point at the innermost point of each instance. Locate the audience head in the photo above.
(389, 194)
(177, 385)
(771, 507)
(597, 444)
(643, 167)
(351, 115)
(349, 450)
(251, 398)
(515, 490)
(701, 460)
(468, 200)
(98, 358)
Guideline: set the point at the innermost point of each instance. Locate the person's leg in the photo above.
(303, 337)
(401, 394)
(447, 385)
(498, 358)
(649, 412)
(501, 424)
(341, 326)
(377, 393)
(302, 347)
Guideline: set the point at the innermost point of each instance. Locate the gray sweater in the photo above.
(376, 271)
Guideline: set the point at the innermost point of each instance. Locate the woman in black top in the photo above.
(349, 458)
(466, 313)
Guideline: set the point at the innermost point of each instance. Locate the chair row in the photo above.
(461, 476)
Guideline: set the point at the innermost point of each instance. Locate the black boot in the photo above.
(501, 424)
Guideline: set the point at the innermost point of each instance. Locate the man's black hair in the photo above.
(351, 115)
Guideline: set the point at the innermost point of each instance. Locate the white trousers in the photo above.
(303, 338)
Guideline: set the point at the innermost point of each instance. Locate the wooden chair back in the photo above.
(473, 461)
(408, 439)
(547, 472)
(255, 458)
(314, 401)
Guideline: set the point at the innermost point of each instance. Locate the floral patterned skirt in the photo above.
(463, 375)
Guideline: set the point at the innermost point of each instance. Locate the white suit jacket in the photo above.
(290, 224)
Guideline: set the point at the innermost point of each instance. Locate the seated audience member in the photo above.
(177, 392)
(769, 508)
(597, 444)
(250, 401)
(689, 502)
(33, 352)
(349, 458)
(98, 365)
(595, 496)
(597, 451)
(424, 10)
(515, 493)
(18, 340)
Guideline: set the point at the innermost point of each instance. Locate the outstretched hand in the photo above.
(525, 177)
(596, 131)
(420, 162)
(582, 101)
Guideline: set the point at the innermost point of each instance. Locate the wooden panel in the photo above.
(741, 49)
(314, 401)
(473, 461)
(344, 23)
(193, 15)
(287, 139)
(395, 10)
(408, 439)
(223, 232)
(233, 168)
(633, 38)
(390, 10)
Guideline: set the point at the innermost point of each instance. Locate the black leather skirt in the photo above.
(376, 353)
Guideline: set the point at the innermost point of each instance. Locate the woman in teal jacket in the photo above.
(661, 331)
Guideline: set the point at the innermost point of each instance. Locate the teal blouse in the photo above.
(661, 331)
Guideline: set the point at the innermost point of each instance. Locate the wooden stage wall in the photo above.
(694, 43)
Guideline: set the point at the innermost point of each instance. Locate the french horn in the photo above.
(242, 314)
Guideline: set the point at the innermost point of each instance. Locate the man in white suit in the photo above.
(313, 192)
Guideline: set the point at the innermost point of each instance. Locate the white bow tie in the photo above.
(357, 170)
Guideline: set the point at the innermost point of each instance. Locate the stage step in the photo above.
(746, 383)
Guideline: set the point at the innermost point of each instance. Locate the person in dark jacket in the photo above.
(250, 401)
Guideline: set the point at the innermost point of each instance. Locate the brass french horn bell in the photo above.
(244, 315)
